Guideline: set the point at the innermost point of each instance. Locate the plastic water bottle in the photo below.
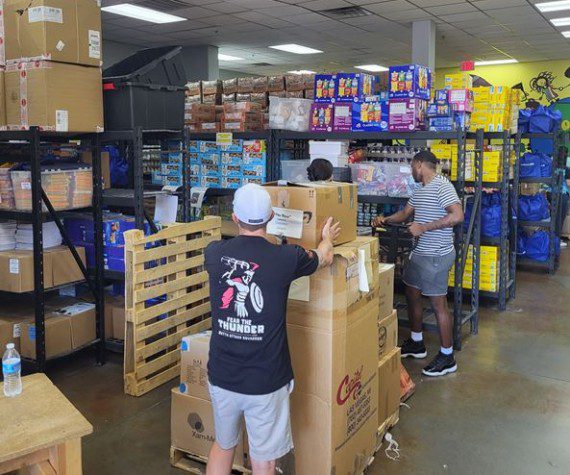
(12, 370)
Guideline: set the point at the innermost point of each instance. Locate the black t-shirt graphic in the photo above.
(249, 284)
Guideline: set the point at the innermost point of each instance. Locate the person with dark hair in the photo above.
(436, 209)
(320, 169)
(249, 367)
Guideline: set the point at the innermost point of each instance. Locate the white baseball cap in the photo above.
(252, 204)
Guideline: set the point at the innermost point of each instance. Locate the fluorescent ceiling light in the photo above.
(297, 49)
(560, 21)
(301, 71)
(227, 57)
(566, 34)
(553, 6)
(375, 68)
(495, 61)
(142, 13)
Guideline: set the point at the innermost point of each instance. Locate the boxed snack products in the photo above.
(325, 87)
(370, 116)
(260, 98)
(458, 81)
(230, 86)
(212, 99)
(461, 100)
(342, 118)
(194, 88)
(293, 94)
(322, 116)
(410, 81)
(275, 83)
(309, 93)
(212, 87)
(353, 87)
(200, 113)
(242, 106)
(294, 82)
(210, 127)
(289, 114)
(260, 84)
(406, 115)
(243, 97)
(278, 93)
(228, 98)
(245, 84)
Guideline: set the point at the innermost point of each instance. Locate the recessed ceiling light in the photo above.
(553, 6)
(301, 71)
(566, 34)
(495, 61)
(375, 68)
(227, 57)
(142, 13)
(297, 49)
(560, 21)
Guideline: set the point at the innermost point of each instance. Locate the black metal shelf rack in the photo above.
(25, 146)
(555, 182)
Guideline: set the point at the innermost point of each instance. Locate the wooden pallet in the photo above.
(172, 271)
(195, 463)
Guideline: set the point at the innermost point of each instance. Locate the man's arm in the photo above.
(396, 218)
(324, 251)
(453, 217)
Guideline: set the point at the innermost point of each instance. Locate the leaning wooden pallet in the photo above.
(166, 298)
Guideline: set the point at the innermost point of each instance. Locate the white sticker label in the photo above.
(398, 108)
(342, 111)
(14, 266)
(16, 330)
(26, 185)
(286, 222)
(61, 121)
(74, 309)
(94, 44)
(457, 95)
(51, 14)
(60, 45)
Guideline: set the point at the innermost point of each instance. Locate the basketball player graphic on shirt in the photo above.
(239, 279)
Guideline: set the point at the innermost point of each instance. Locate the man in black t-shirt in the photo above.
(249, 366)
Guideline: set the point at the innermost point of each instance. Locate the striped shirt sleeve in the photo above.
(446, 195)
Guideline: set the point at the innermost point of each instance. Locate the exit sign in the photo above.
(467, 65)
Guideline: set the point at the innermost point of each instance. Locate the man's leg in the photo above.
(220, 460)
(263, 467)
(415, 308)
(444, 320)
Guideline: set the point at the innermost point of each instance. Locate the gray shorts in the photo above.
(266, 420)
(428, 274)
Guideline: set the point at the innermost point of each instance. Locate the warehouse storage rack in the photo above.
(555, 182)
(282, 141)
(25, 146)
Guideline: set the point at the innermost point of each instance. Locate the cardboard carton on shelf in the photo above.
(386, 276)
(387, 334)
(194, 365)
(113, 302)
(192, 427)
(17, 268)
(2, 100)
(13, 312)
(388, 385)
(301, 211)
(119, 322)
(57, 96)
(67, 31)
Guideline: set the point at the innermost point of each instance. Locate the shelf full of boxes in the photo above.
(50, 165)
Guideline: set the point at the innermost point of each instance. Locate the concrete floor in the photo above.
(506, 411)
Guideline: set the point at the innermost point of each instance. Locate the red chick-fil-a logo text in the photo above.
(349, 387)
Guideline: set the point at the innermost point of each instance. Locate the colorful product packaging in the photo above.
(458, 81)
(254, 170)
(231, 182)
(439, 110)
(231, 170)
(212, 181)
(370, 116)
(212, 158)
(322, 117)
(205, 146)
(325, 87)
(461, 100)
(407, 115)
(231, 158)
(354, 87)
(342, 117)
(410, 81)
(440, 96)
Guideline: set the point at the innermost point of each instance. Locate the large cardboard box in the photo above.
(9, 332)
(57, 337)
(334, 402)
(113, 302)
(67, 31)
(301, 211)
(386, 286)
(368, 249)
(2, 100)
(54, 96)
(119, 322)
(326, 299)
(387, 334)
(64, 266)
(388, 385)
(192, 426)
(194, 365)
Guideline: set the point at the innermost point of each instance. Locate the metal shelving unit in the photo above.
(461, 315)
(555, 184)
(25, 146)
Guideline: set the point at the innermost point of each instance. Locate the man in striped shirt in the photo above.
(435, 208)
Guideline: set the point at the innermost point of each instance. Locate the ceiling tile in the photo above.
(390, 6)
(317, 5)
(451, 9)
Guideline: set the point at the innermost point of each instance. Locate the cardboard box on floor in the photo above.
(68, 31)
(17, 268)
(194, 351)
(386, 285)
(69, 324)
(334, 404)
(387, 334)
(388, 385)
(192, 427)
(301, 211)
(112, 302)
(56, 96)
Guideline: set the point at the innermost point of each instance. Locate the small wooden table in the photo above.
(41, 430)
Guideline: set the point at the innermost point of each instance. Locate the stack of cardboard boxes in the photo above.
(347, 379)
(52, 56)
(495, 109)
